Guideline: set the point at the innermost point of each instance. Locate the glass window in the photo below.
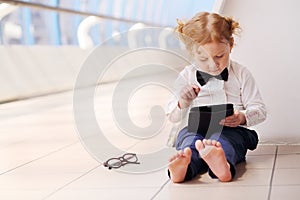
(36, 22)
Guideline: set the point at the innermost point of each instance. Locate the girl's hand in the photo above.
(187, 95)
(238, 118)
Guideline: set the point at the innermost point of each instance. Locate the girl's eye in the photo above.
(220, 56)
(203, 59)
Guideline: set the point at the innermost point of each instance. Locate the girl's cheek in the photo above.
(203, 67)
(202, 64)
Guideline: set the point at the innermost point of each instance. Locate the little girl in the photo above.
(213, 79)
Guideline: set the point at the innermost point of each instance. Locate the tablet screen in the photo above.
(206, 119)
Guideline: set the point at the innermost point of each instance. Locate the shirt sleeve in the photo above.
(255, 109)
(173, 112)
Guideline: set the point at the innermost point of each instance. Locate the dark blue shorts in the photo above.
(235, 142)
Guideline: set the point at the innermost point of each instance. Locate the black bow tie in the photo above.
(203, 77)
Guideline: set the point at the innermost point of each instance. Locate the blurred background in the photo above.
(43, 43)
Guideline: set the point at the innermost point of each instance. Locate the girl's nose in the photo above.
(216, 63)
(212, 66)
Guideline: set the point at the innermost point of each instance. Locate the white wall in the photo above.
(269, 47)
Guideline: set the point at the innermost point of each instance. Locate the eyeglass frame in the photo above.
(122, 160)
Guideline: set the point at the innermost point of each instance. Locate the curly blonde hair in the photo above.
(207, 27)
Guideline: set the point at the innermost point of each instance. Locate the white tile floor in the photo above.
(41, 157)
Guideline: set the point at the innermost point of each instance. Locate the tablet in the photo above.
(206, 119)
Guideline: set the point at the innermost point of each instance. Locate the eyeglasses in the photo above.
(127, 158)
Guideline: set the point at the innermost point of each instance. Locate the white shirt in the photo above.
(240, 89)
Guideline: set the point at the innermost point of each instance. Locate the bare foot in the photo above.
(213, 154)
(178, 165)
